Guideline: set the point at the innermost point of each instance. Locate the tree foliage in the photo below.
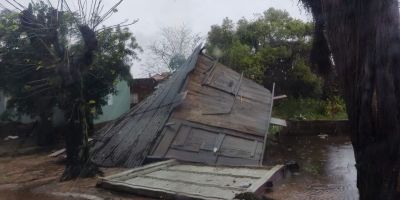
(270, 48)
(58, 58)
(29, 65)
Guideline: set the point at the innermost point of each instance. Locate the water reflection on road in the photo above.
(327, 168)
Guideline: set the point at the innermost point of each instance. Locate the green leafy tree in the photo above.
(57, 58)
(271, 48)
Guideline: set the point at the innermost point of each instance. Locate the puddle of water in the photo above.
(327, 168)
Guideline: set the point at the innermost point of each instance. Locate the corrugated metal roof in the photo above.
(127, 140)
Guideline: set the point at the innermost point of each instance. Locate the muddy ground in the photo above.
(326, 168)
(326, 171)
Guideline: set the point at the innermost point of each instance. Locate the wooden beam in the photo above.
(280, 97)
(268, 122)
(279, 122)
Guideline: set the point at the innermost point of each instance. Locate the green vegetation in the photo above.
(56, 58)
(275, 48)
(271, 48)
(310, 109)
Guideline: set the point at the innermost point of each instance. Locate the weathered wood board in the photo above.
(223, 120)
(205, 113)
(172, 180)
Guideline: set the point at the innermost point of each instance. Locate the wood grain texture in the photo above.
(250, 108)
(173, 122)
(177, 180)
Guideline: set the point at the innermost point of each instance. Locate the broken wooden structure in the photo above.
(211, 119)
(205, 112)
(176, 180)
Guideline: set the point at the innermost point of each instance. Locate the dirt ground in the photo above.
(28, 173)
(37, 177)
(326, 172)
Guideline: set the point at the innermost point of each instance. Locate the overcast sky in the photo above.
(198, 15)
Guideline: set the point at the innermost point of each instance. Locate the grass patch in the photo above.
(310, 109)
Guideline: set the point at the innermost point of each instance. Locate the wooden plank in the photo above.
(138, 169)
(280, 97)
(277, 121)
(253, 154)
(218, 142)
(216, 180)
(234, 161)
(265, 178)
(225, 131)
(249, 116)
(165, 142)
(206, 157)
(182, 134)
(251, 172)
(235, 93)
(237, 148)
(193, 141)
(268, 122)
(171, 190)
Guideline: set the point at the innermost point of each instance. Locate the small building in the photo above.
(117, 104)
(205, 113)
(143, 87)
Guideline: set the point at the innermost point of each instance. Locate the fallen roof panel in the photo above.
(172, 179)
(127, 140)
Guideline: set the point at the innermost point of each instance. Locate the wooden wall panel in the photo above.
(247, 112)
(206, 144)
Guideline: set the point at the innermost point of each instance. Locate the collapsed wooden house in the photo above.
(205, 113)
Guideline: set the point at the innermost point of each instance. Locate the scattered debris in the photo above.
(62, 151)
(323, 136)
(57, 153)
(11, 137)
(293, 166)
(279, 122)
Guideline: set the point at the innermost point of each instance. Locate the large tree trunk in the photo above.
(363, 36)
(44, 132)
(77, 147)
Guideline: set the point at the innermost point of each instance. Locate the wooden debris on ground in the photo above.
(173, 179)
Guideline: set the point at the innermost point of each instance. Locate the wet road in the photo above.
(326, 172)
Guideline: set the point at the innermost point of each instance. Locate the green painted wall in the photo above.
(117, 104)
